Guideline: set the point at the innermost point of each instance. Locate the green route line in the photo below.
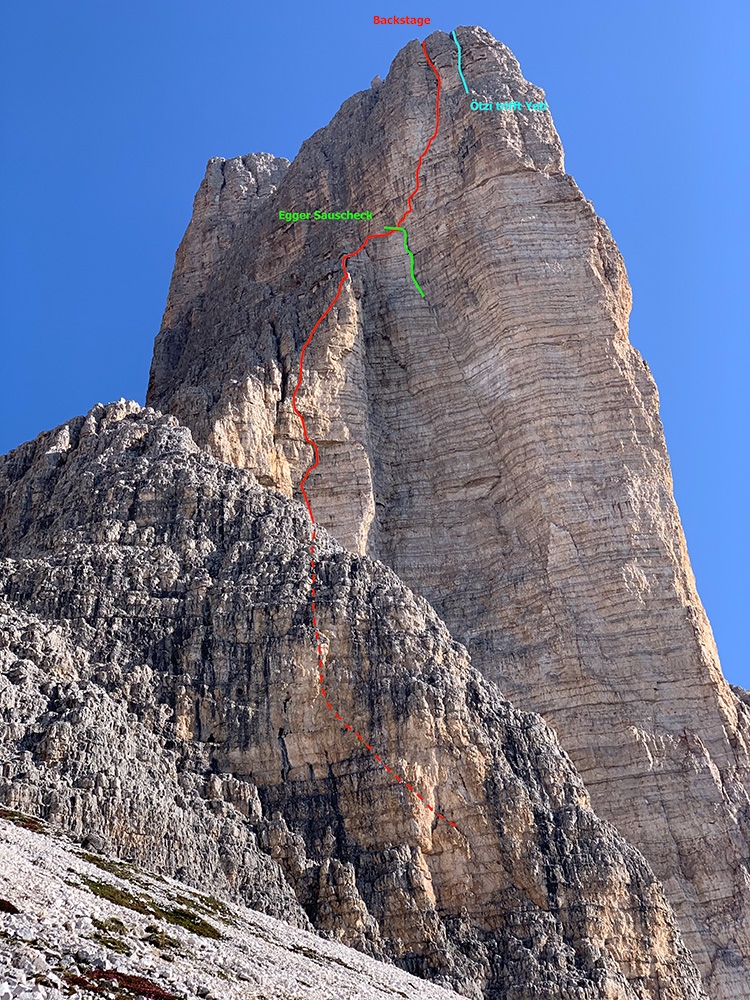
(400, 229)
(460, 71)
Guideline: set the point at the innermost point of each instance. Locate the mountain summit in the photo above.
(496, 442)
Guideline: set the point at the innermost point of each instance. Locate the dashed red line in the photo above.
(431, 140)
(314, 446)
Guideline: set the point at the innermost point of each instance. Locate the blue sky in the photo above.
(110, 111)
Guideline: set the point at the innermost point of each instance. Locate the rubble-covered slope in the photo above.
(161, 699)
(73, 922)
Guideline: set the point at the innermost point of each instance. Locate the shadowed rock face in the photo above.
(160, 694)
(497, 443)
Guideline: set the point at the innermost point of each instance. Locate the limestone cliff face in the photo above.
(497, 443)
(160, 696)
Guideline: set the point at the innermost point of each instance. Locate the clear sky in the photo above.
(110, 111)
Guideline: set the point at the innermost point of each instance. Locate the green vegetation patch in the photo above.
(209, 905)
(120, 897)
(191, 922)
(142, 904)
(182, 915)
(27, 822)
(118, 868)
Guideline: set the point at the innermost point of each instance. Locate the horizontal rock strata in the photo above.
(497, 442)
(160, 699)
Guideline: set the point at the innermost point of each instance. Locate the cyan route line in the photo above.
(400, 229)
(460, 71)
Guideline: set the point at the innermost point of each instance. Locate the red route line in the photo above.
(313, 444)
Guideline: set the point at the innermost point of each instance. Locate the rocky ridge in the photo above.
(160, 699)
(497, 443)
